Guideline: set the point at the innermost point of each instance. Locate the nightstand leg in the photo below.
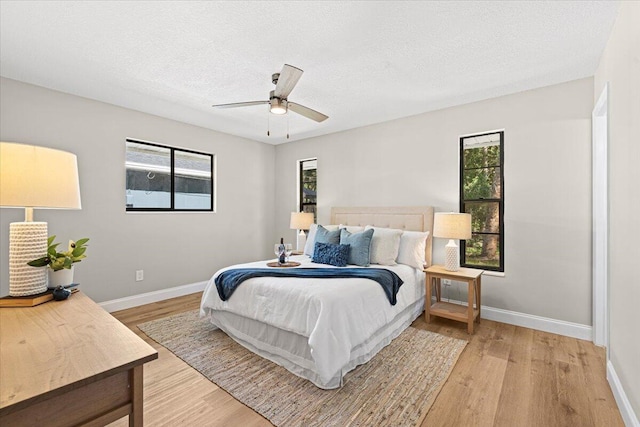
(479, 295)
(470, 300)
(427, 300)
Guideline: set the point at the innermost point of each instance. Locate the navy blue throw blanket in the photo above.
(229, 280)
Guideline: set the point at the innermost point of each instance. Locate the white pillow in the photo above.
(311, 237)
(352, 228)
(384, 245)
(412, 247)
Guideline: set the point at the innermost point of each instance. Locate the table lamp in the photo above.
(301, 221)
(451, 225)
(34, 177)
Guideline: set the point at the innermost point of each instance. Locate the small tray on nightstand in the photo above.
(285, 265)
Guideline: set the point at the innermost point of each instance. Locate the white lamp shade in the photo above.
(38, 177)
(301, 220)
(451, 225)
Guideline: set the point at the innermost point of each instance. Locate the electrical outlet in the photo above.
(139, 275)
(446, 282)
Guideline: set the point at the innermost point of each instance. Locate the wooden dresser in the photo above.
(67, 363)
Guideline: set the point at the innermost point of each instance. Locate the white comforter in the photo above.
(335, 314)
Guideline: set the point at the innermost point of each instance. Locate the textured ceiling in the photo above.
(363, 62)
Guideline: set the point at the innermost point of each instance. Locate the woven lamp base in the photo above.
(452, 256)
(27, 241)
(301, 241)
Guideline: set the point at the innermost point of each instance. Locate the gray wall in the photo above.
(172, 248)
(620, 65)
(414, 161)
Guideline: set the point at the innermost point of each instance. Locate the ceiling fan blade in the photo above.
(288, 79)
(307, 112)
(240, 104)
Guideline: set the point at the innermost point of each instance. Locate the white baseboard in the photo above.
(546, 324)
(149, 297)
(560, 327)
(628, 416)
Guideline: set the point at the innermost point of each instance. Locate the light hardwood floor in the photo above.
(506, 376)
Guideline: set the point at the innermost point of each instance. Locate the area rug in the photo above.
(395, 388)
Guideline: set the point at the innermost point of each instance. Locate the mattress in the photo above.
(318, 329)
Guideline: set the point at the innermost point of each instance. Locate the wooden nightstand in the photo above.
(468, 314)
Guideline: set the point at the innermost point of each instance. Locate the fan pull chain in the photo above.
(268, 123)
(288, 126)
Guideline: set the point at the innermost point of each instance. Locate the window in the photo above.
(482, 195)
(308, 186)
(161, 178)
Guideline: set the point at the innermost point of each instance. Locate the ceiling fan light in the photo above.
(278, 106)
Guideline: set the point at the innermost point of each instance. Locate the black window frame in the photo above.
(500, 202)
(301, 203)
(173, 150)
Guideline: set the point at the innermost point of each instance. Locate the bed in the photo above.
(320, 329)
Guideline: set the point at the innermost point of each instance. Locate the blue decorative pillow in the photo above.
(327, 253)
(360, 246)
(325, 236)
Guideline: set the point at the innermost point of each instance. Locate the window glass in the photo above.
(479, 183)
(193, 174)
(483, 251)
(148, 176)
(485, 216)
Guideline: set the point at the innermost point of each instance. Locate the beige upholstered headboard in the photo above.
(412, 218)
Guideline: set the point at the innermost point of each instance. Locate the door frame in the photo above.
(600, 221)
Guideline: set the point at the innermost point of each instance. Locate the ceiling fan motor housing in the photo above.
(278, 105)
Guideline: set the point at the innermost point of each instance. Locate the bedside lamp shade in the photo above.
(38, 177)
(301, 221)
(451, 225)
(34, 177)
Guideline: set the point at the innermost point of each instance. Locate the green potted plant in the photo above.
(61, 263)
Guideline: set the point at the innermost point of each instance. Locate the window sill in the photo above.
(141, 212)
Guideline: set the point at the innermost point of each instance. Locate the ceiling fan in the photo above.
(285, 81)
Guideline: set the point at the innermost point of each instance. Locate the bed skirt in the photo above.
(291, 350)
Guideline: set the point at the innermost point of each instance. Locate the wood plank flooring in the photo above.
(506, 376)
